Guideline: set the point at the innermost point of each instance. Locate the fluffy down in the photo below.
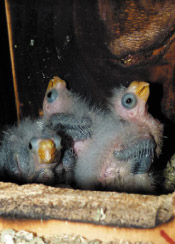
(28, 153)
(124, 145)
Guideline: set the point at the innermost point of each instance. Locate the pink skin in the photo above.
(108, 169)
(81, 146)
(139, 114)
(115, 174)
(61, 105)
(111, 167)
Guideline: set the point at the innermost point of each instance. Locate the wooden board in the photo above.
(106, 216)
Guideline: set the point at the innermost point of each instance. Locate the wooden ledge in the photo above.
(36, 201)
(50, 211)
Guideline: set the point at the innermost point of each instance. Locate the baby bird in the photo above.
(132, 106)
(123, 146)
(28, 153)
(114, 150)
(68, 110)
(72, 118)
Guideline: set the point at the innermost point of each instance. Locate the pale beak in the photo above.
(56, 81)
(141, 89)
(47, 151)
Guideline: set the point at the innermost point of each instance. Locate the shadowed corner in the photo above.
(154, 107)
(7, 99)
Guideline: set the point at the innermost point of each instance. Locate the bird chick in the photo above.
(72, 118)
(28, 153)
(57, 98)
(132, 106)
(67, 110)
(123, 146)
(120, 147)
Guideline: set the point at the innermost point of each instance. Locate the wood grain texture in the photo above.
(106, 216)
(34, 201)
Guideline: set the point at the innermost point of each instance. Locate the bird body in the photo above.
(70, 115)
(58, 99)
(137, 114)
(98, 167)
(28, 153)
(123, 146)
(114, 149)
(108, 150)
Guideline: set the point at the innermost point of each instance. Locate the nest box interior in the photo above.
(40, 40)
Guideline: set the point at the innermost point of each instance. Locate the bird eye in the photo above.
(52, 95)
(33, 143)
(129, 100)
(30, 146)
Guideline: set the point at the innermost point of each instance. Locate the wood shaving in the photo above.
(10, 236)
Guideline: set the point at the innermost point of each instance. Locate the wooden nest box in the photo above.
(61, 215)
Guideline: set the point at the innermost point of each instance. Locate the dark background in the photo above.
(7, 101)
(70, 42)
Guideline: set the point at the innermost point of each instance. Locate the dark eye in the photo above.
(52, 95)
(30, 146)
(129, 100)
(33, 143)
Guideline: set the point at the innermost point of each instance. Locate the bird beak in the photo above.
(56, 81)
(141, 89)
(41, 113)
(47, 151)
